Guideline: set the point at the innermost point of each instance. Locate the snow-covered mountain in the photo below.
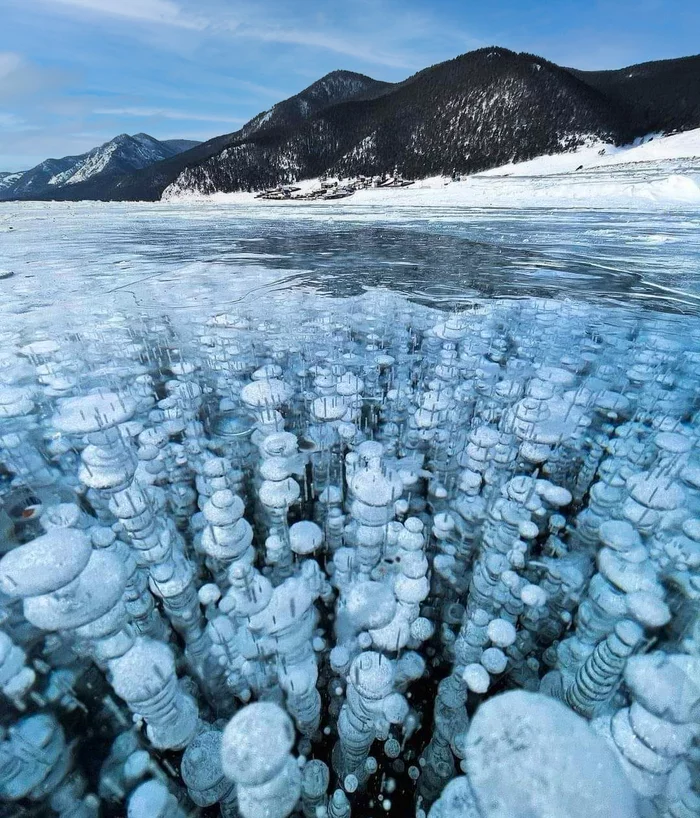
(334, 88)
(148, 184)
(482, 110)
(8, 178)
(122, 155)
(477, 111)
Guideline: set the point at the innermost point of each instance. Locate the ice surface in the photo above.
(308, 511)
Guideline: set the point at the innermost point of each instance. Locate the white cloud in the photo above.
(10, 122)
(148, 11)
(21, 79)
(349, 46)
(9, 63)
(257, 89)
(167, 113)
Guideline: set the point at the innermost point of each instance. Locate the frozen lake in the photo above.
(366, 468)
(70, 259)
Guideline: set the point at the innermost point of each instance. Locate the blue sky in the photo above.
(74, 73)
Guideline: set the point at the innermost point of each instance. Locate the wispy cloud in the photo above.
(20, 78)
(255, 88)
(9, 63)
(167, 113)
(11, 122)
(362, 36)
(349, 46)
(150, 11)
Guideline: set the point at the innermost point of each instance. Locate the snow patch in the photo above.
(598, 154)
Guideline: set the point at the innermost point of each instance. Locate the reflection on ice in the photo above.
(69, 260)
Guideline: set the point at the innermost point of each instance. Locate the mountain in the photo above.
(180, 145)
(334, 88)
(481, 110)
(659, 96)
(7, 179)
(120, 156)
(149, 184)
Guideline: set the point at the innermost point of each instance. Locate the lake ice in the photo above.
(332, 508)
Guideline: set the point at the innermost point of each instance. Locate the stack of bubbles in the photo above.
(372, 560)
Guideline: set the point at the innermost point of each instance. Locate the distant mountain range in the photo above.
(478, 111)
(117, 158)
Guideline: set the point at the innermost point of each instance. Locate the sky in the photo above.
(75, 73)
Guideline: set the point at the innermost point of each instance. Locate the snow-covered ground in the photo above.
(652, 149)
(659, 171)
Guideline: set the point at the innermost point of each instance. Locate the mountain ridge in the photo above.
(119, 156)
(479, 110)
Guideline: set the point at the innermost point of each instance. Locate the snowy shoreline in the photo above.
(659, 171)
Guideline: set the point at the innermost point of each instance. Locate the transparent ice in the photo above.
(303, 554)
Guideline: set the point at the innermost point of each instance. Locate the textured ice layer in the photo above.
(367, 555)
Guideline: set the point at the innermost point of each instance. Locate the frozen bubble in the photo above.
(305, 537)
(372, 674)
(209, 594)
(90, 413)
(45, 564)
(151, 800)
(411, 665)
(339, 657)
(395, 708)
(267, 372)
(557, 495)
(89, 598)
(618, 535)
(494, 660)
(43, 347)
(691, 529)
(256, 743)
(476, 678)
(528, 530)
(392, 748)
(501, 633)
(137, 765)
(422, 629)
(533, 596)
(349, 385)
(266, 393)
(556, 766)
(329, 408)
(370, 604)
(315, 778)
(15, 401)
(673, 442)
(364, 640)
(648, 609)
